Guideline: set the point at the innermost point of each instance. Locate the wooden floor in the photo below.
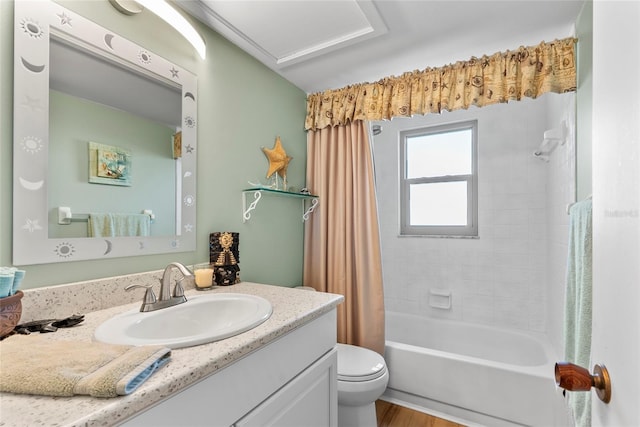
(390, 415)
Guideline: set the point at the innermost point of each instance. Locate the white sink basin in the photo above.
(202, 319)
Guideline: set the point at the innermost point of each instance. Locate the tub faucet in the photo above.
(151, 303)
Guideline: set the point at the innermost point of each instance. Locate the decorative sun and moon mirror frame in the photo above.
(36, 24)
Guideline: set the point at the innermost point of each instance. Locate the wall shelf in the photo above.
(309, 201)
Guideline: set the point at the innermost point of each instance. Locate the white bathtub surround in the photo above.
(480, 374)
(292, 310)
(512, 275)
(560, 191)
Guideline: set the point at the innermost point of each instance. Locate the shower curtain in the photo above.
(342, 240)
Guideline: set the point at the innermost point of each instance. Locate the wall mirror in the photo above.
(102, 127)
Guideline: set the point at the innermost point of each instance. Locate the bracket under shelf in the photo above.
(307, 199)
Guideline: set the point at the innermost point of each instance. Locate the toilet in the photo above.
(362, 378)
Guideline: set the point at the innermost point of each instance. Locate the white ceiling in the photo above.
(328, 44)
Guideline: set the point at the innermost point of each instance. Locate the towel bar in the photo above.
(66, 217)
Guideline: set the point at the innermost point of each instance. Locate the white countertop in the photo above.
(292, 308)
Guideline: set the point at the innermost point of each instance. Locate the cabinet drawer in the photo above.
(310, 399)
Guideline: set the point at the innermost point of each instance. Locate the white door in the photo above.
(616, 208)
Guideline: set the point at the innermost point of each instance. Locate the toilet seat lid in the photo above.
(358, 363)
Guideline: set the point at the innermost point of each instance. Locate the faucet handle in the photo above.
(149, 296)
(178, 290)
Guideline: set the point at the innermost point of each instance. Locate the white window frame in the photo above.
(471, 229)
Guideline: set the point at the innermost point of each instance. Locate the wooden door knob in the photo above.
(576, 378)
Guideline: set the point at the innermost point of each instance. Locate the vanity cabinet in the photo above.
(307, 400)
(291, 381)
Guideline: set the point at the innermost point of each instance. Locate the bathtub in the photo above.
(472, 373)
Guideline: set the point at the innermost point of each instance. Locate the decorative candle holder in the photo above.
(224, 256)
(203, 276)
(227, 275)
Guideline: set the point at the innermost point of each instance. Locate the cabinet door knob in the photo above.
(576, 378)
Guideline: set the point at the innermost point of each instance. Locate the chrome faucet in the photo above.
(151, 303)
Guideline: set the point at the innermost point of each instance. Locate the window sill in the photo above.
(437, 236)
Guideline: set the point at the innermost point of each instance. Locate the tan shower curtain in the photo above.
(342, 240)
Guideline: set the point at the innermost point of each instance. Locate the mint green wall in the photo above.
(73, 123)
(242, 106)
(584, 32)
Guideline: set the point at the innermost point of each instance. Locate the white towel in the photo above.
(118, 225)
(577, 328)
(36, 365)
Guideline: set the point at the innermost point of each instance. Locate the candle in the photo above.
(204, 277)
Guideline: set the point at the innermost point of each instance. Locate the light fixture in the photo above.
(168, 14)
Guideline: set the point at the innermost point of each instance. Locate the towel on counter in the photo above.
(36, 365)
(117, 225)
(577, 328)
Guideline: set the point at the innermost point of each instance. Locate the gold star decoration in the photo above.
(278, 159)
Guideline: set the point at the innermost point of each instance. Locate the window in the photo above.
(439, 185)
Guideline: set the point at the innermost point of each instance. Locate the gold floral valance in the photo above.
(501, 77)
